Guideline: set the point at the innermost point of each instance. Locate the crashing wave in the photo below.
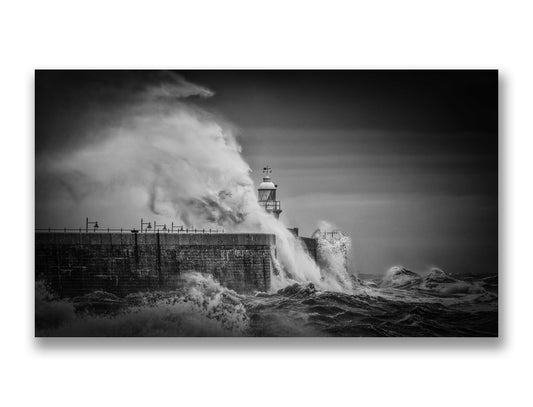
(400, 277)
(437, 280)
(201, 307)
(333, 247)
(438, 276)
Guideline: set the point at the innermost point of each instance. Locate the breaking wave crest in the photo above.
(403, 303)
(400, 304)
(201, 307)
(400, 277)
(333, 250)
(297, 267)
(435, 281)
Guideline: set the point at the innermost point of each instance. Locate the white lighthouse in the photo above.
(267, 194)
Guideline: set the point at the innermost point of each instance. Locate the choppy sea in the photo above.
(399, 304)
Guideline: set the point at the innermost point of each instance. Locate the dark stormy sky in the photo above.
(406, 162)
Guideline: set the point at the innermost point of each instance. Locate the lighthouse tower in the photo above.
(267, 194)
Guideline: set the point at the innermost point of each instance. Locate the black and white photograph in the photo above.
(266, 203)
(283, 203)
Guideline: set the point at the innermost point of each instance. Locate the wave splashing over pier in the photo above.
(150, 147)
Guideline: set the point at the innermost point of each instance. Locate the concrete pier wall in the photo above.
(122, 263)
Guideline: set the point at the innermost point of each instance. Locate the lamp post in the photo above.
(147, 227)
(157, 230)
(178, 228)
(87, 223)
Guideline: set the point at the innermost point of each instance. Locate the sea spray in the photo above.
(333, 249)
(51, 312)
(158, 151)
(200, 307)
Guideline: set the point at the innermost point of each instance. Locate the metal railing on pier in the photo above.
(123, 230)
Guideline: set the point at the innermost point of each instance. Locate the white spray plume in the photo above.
(189, 166)
(333, 252)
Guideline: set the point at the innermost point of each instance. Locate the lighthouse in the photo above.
(267, 194)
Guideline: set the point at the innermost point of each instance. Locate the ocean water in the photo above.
(399, 304)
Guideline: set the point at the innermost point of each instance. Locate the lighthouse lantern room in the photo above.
(267, 194)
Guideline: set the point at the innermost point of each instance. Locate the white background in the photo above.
(270, 34)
